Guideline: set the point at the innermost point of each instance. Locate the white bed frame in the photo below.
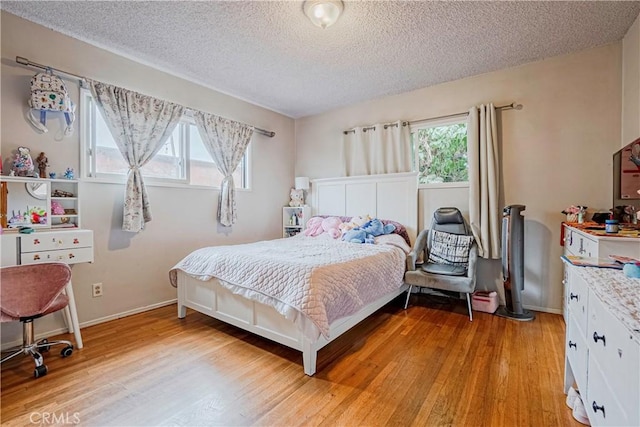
(391, 196)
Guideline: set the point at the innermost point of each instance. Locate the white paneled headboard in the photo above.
(389, 196)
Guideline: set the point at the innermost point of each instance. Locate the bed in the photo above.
(340, 283)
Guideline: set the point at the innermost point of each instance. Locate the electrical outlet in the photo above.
(97, 290)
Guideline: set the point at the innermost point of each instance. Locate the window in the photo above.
(182, 160)
(440, 151)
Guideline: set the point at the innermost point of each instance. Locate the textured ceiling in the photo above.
(269, 53)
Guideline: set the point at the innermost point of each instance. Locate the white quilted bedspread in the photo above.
(324, 279)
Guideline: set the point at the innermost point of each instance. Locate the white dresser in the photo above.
(594, 244)
(602, 312)
(69, 246)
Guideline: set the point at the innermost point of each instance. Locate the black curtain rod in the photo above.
(24, 61)
(512, 106)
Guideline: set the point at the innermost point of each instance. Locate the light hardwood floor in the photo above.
(427, 365)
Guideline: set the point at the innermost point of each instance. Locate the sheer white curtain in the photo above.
(484, 179)
(226, 140)
(140, 126)
(377, 149)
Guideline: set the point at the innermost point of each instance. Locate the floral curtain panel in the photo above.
(484, 179)
(377, 149)
(226, 140)
(140, 126)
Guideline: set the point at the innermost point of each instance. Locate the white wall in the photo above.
(631, 84)
(556, 152)
(134, 267)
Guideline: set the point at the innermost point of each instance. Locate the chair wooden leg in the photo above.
(469, 307)
(406, 303)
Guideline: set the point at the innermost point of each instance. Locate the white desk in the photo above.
(69, 246)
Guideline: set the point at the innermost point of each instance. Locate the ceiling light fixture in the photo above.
(323, 13)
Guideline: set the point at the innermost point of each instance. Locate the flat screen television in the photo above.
(626, 177)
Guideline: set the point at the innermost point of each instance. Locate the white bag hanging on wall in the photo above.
(49, 94)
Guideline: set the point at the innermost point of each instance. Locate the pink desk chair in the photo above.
(28, 292)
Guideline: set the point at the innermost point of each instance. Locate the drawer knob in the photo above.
(573, 296)
(597, 337)
(597, 408)
(572, 344)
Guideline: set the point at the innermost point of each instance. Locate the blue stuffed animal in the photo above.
(355, 235)
(367, 232)
(376, 228)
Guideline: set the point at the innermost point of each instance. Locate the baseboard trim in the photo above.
(126, 313)
(543, 309)
(64, 330)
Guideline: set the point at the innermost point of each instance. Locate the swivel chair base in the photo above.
(30, 347)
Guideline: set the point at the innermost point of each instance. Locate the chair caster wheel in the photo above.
(44, 348)
(67, 351)
(40, 371)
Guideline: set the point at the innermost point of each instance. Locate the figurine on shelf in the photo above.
(22, 163)
(18, 220)
(68, 174)
(43, 162)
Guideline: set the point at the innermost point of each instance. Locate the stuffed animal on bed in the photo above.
(318, 225)
(314, 227)
(368, 232)
(357, 235)
(377, 228)
(331, 226)
(356, 221)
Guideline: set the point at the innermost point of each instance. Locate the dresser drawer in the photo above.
(612, 346)
(576, 351)
(571, 241)
(69, 256)
(578, 299)
(56, 240)
(602, 405)
(580, 244)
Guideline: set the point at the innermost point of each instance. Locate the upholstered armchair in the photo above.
(448, 253)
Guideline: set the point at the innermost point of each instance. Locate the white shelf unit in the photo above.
(294, 219)
(26, 194)
(70, 203)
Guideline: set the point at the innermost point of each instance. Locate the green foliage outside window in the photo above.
(442, 153)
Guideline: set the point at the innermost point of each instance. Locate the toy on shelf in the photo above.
(68, 174)
(61, 193)
(23, 164)
(43, 162)
(297, 198)
(56, 208)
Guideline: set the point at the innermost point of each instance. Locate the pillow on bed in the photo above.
(447, 248)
